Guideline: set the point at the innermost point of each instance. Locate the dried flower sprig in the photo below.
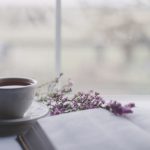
(58, 100)
(118, 109)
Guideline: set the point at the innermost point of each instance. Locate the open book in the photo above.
(94, 129)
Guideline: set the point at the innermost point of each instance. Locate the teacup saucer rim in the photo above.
(26, 119)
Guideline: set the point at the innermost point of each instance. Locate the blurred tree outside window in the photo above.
(107, 45)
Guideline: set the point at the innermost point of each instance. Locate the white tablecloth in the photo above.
(96, 129)
(9, 143)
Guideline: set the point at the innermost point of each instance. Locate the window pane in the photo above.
(27, 39)
(106, 45)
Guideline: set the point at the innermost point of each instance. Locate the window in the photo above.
(104, 44)
(27, 39)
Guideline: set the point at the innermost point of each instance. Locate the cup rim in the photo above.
(26, 82)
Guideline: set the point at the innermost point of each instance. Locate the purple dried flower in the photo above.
(82, 101)
(59, 103)
(130, 105)
(118, 109)
(96, 93)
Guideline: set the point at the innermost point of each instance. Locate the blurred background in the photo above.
(105, 43)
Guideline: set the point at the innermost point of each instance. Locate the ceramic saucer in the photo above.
(36, 111)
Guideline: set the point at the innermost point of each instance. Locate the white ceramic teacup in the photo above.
(16, 96)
